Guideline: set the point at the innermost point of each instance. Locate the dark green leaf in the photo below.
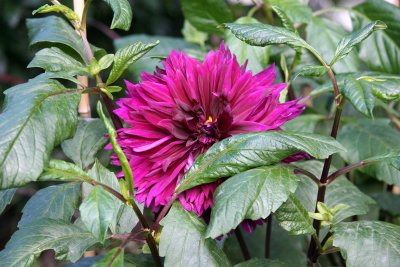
(206, 15)
(53, 202)
(286, 21)
(36, 116)
(340, 191)
(294, 9)
(257, 57)
(293, 217)
(303, 123)
(5, 198)
(330, 32)
(111, 259)
(264, 34)
(359, 94)
(127, 56)
(368, 243)
(388, 201)
(252, 194)
(381, 51)
(122, 14)
(367, 139)
(246, 151)
(68, 241)
(347, 43)
(58, 170)
(86, 143)
(97, 211)
(182, 241)
(257, 262)
(54, 30)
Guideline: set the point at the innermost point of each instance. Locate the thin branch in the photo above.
(130, 237)
(309, 175)
(326, 238)
(330, 251)
(268, 236)
(164, 212)
(242, 244)
(345, 170)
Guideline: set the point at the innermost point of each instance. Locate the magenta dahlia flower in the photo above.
(180, 111)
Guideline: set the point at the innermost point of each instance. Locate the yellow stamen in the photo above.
(210, 119)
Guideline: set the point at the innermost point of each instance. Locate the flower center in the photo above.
(209, 133)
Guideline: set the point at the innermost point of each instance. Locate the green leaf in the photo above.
(69, 13)
(246, 151)
(53, 202)
(381, 51)
(59, 170)
(257, 262)
(122, 14)
(54, 30)
(106, 61)
(110, 260)
(304, 123)
(192, 35)
(289, 249)
(264, 34)
(257, 57)
(97, 212)
(388, 201)
(68, 241)
(366, 139)
(331, 33)
(126, 219)
(5, 198)
(183, 243)
(167, 44)
(127, 56)
(347, 43)
(252, 194)
(293, 217)
(55, 60)
(206, 15)
(87, 142)
(310, 71)
(360, 95)
(294, 9)
(286, 21)
(340, 191)
(36, 117)
(368, 243)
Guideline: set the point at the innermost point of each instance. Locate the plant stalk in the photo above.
(242, 244)
(268, 236)
(163, 212)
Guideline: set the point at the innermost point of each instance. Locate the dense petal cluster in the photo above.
(178, 112)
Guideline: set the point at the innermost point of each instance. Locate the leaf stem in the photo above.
(309, 175)
(163, 212)
(268, 236)
(242, 244)
(345, 170)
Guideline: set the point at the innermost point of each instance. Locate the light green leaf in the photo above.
(182, 241)
(36, 117)
(347, 43)
(54, 30)
(310, 71)
(110, 260)
(87, 142)
(67, 240)
(59, 170)
(206, 15)
(97, 212)
(259, 262)
(53, 202)
(367, 139)
(106, 61)
(286, 21)
(192, 35)
(5, 198)
(366, 243)
(122, 14)
(330, 32)
(55, 60)
(246, 151)
(69, 13)
(252, 194)
(381, 51)
(360, 95)
(340, 191)
(294, 9)
(293, 217)
(257, 57)
(127, 56)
